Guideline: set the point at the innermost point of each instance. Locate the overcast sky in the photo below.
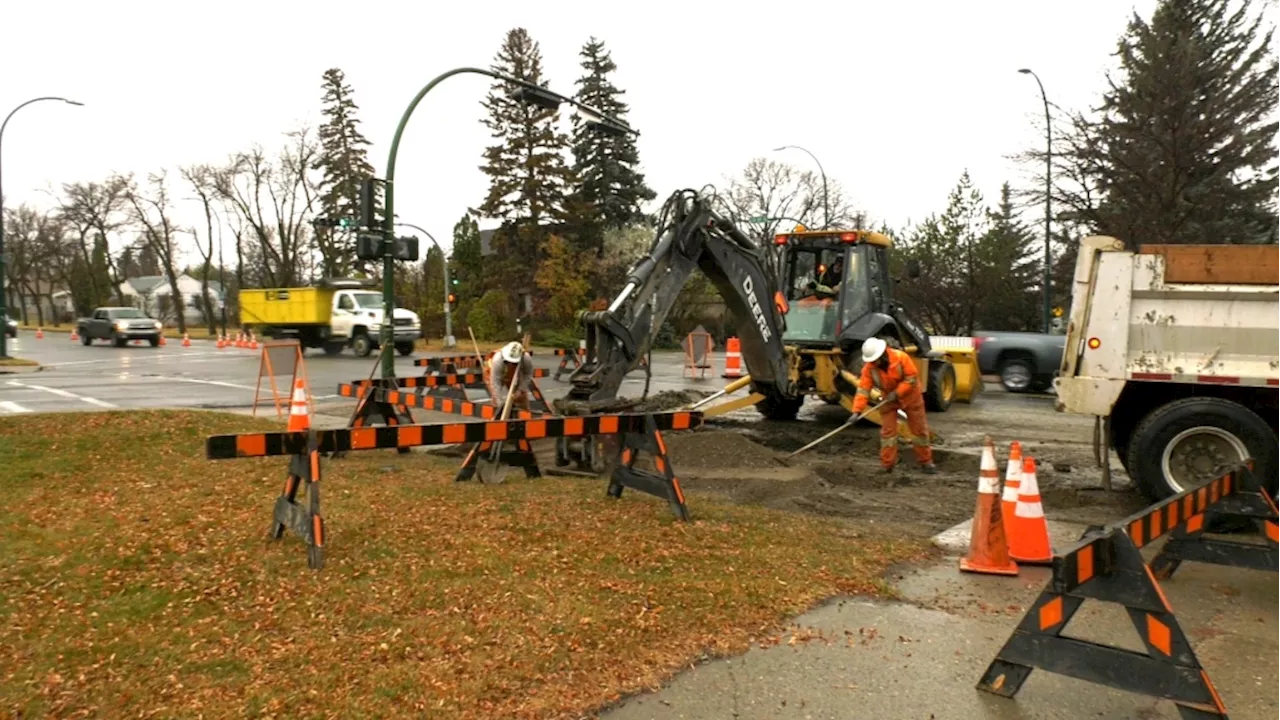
(896, 100)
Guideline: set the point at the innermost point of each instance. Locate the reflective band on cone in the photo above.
(988, 547)
(732, 358)
(299, 410)
(1029, 535)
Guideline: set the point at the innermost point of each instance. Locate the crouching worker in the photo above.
(894, 374)
(510, 362)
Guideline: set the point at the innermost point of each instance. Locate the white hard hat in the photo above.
(872, 349)
(513, 352)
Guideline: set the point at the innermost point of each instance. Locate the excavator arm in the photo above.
(690, 234)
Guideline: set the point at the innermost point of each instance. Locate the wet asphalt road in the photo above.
(77, 378)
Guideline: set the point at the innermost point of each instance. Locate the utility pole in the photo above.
(826, 204)
(1048, 196)
(449, 339)
(4, 294)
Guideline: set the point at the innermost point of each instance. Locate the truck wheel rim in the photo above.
(948, 388)
(1017, 376)
(1199, 454)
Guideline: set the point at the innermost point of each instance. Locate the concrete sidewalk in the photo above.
(922, 657)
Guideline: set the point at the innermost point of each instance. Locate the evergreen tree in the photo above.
(1187, 134)
(962, 225)
(344, 161)
(1007, 271)
(528, 178)
(611, 188)
(466, 266)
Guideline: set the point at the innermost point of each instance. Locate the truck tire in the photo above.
(85, 339)
(777, 407)
(942, 387)
(1190, 441)
(155, 341)
(1017, 375)
(333, 348)
(122, 342)
(404, 348)
(362, 344)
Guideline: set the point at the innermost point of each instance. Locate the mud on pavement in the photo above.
(741, 457)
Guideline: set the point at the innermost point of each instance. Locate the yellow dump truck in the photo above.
(334, 314)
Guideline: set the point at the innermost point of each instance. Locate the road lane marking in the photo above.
(219, 383)
(13, 407)
(63, 393)
(132, 358)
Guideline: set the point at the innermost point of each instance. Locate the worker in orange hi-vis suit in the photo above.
(894, 374)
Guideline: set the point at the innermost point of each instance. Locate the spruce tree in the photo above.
(344, 160)
(528, 178)
(611, 188)
(1007, 271)
(1187, 152)
(466, 266)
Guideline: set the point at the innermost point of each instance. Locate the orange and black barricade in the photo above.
(1107, 566)
(305, 448)
(567, 356)
(305, 521)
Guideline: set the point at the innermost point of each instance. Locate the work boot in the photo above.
(928, 468)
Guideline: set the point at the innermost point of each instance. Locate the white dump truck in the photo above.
(1176, 350)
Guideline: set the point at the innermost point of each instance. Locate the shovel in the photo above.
(491, 469)
(847, 423)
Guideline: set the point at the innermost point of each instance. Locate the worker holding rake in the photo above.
(894, 374)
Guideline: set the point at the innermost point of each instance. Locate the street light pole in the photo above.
(1048, 195)
(449, 340)
(4, 294)
(826, 205)
(530, 93)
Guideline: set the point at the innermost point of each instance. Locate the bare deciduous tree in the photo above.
(150, 214)
(273, 199)
(98, 211)
(202, 179)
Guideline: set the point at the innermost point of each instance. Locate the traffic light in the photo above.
(346, 222)
(455, 281)
(405, 248)
(368, 197)
(452, 298)
(369, 246)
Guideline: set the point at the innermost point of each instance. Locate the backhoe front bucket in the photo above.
(968, 377)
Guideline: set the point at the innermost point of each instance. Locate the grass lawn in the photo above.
(16, 362)
(136, 578)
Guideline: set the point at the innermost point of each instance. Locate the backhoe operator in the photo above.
(893, 373)
(506, 363)
(828, 282)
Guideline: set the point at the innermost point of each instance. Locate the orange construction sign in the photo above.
(281, 359)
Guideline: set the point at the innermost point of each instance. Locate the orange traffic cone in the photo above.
(162, 340)
(186, 340)
(299, 409)
(253, 341)
(74, 336)
(1012, 481)
(39, 333)
(732, 358)
(220, 343)
(1029, 536)
(988, 547)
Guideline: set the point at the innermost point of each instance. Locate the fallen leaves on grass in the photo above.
(137, 578)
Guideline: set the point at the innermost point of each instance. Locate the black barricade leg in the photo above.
(1189, 541)
(468, 469)
(539, 398)
(306, 522)
(1110, 569)
(663, 483)
(379, 412)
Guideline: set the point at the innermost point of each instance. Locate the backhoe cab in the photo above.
(835, 292)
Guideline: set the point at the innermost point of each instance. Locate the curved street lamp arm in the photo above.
(826, 206)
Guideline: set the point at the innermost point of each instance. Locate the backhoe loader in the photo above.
(805, 304)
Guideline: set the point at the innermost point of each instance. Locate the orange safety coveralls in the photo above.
(903, 378)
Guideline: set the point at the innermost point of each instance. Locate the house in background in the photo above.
(153, 295)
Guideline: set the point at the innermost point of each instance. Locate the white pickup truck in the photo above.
(1176, 350)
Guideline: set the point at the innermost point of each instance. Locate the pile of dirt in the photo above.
(716, 450)
(664, 401)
